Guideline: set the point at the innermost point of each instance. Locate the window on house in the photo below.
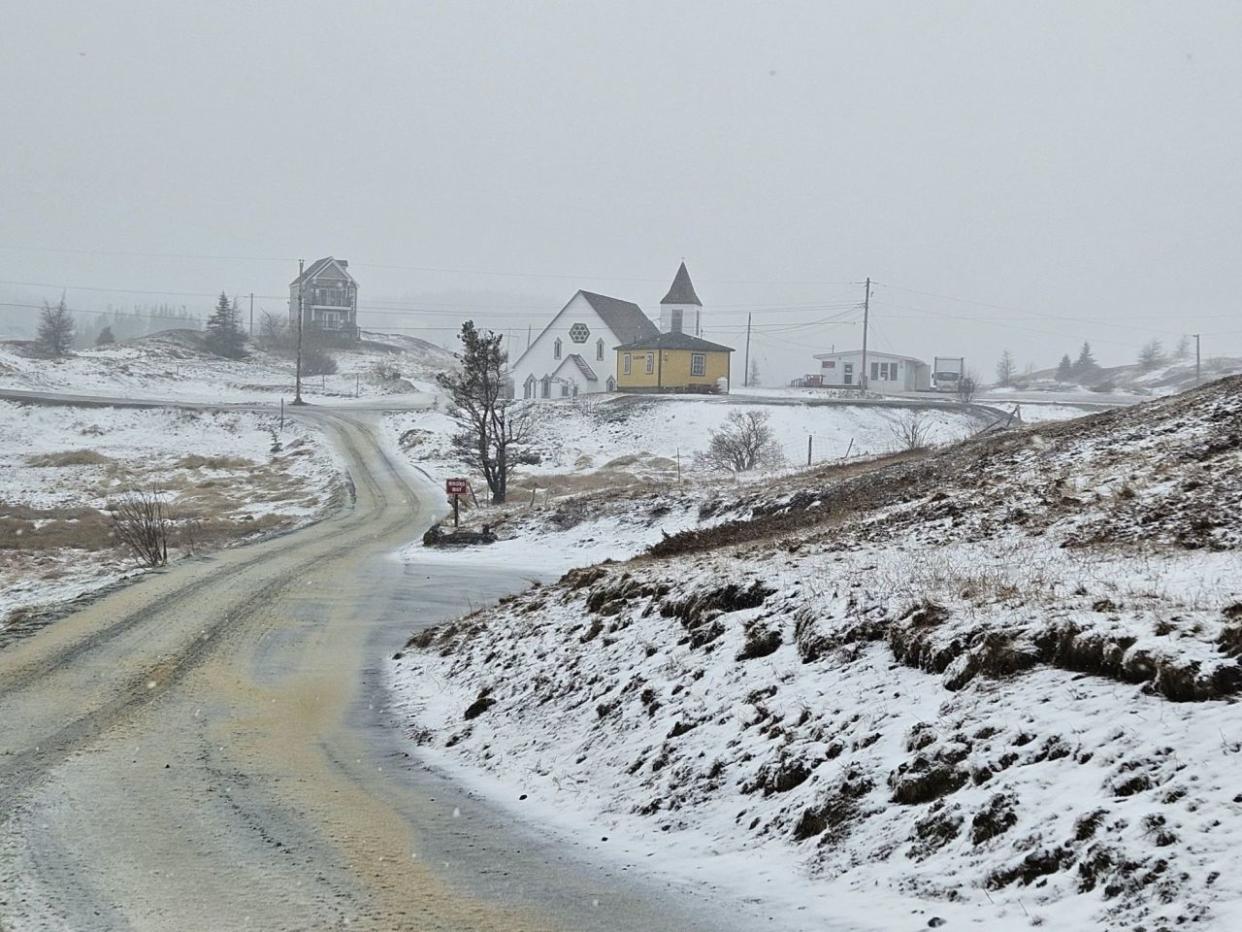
(556, 349)
(828, 364)
(698, 364)
(875, 370)
(625, 363)
(528, 390)
(675, 320)
(545, 387)
(599, 349)
(564, 389)
(650, 363)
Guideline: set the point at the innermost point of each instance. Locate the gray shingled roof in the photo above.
(586, 370)
(682, 291)
(317, 266)
(624, 318)
(675, 341)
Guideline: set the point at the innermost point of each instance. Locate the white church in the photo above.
(574, 354)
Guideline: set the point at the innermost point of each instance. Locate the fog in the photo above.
(1021, 176)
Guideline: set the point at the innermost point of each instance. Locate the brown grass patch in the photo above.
(197, 461)
(69, 458)
(26, 528)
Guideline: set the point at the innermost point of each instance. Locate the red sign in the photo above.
(456, 486)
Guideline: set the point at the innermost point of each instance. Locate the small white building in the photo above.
(886, 371)
(574, 353)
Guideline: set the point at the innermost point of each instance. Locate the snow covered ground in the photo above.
(174, 365)
(650, 434)
(994, 686)
(607, 484)
(225, 477)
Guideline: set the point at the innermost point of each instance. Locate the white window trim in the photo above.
(626, 363)
(698, 364)
(650, 363)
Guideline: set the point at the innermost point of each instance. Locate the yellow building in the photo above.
(673, 362)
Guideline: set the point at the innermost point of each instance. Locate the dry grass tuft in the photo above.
(69, 458)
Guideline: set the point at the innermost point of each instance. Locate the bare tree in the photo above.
(55, 336)
(1005, 369)
(274, 332)
(967, 385)
(492, 428)
(911, 430)
(744, 442)
(141, 522)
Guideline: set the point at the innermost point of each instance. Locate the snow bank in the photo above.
(992, 686)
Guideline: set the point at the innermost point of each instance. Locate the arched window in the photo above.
(528, 390)
(599, 349)
(545, 386)
(556, 349)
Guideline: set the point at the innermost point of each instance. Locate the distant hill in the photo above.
(1176, 376)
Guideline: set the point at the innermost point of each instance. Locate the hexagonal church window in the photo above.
(579, 333)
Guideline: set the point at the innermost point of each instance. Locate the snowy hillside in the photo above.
(989, 686)
(648, 435)
(174, 364)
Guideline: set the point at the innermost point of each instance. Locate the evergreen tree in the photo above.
(492, 429)
(105, 336)
(1183, 347)
(1151, 356)
(55, 335)
(1085, 364)
(224, 333)
(1065, 369)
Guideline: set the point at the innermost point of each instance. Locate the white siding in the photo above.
(540, 360)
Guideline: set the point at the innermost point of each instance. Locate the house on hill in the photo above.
(673, 362)
(573, 354)
(329, 299)
(885, 371)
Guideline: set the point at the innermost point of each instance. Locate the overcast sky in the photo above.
(1072, 168)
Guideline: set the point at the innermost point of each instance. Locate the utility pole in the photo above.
(746, 371)
(866, 321)
(528, 336)
(1198, 368)
(297, 388)
(252, 313)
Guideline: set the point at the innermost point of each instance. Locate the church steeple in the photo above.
(681, 311)
(682, 290)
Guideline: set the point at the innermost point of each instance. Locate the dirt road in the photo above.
(210, 749)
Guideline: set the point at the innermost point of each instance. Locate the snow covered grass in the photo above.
(994, 685)
(174, 365)
(224, 477)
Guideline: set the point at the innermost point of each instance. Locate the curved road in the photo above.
(210, 749)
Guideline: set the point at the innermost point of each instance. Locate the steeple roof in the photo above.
(682, 291)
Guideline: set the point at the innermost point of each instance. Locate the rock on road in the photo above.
(210, 749)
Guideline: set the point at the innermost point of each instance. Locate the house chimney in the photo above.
(344, 263)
